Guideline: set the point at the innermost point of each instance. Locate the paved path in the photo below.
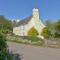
(28, 52)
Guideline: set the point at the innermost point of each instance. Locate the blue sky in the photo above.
(19, 9)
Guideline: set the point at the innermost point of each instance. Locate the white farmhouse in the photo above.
(25, 25)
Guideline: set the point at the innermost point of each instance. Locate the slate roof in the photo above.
(25, 21)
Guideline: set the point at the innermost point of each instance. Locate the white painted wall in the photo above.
(34, 22)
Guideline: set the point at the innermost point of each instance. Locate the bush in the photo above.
(3, 47)
(4, 54)
(35, 40)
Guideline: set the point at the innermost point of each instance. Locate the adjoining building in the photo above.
(26, 24)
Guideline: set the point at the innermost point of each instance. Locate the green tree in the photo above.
(50, 27)
(46, 33)
(57, 29)
(5, 24)
(49, 24)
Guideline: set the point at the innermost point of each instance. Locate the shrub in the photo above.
(3, 47)
(35, 40)
(4, 54)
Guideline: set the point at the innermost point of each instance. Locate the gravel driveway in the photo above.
(28, 52)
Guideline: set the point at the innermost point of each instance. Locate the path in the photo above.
(28, 52)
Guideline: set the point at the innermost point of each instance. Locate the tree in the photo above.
(5, 24)
(50, 27)
(57, 29)
(48, 24)
(33, 32)
(46, 32)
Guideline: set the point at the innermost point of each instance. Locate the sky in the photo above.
(20, 9)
